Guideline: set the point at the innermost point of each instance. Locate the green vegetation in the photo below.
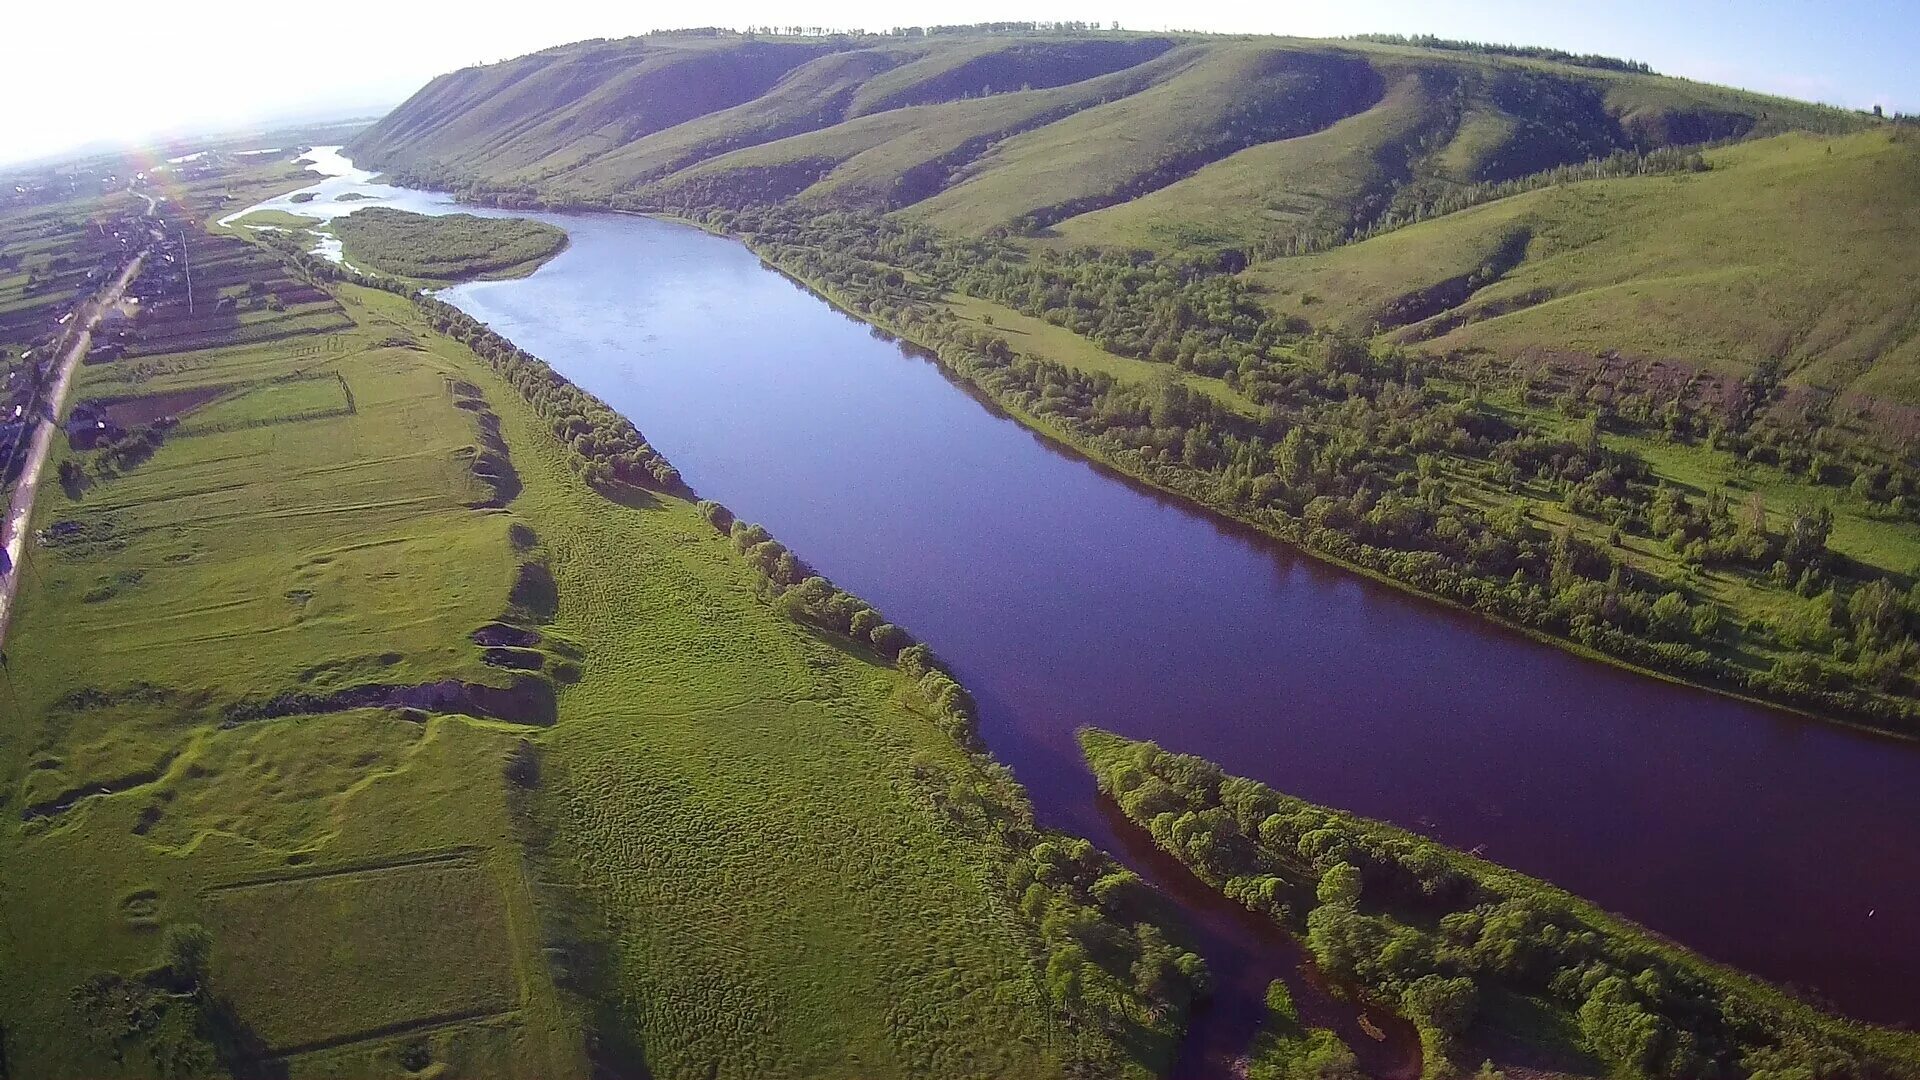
(1623, 360)
(277, 219)
(1024, 129)
(1482, 960)
(446, 248)
(1584, 520)
(1789, 251)
(1286, 1049)
(411, 674)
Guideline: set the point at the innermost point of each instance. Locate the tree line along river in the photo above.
(1064, 595)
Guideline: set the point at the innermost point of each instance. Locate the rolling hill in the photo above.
(1785, 247)
(1795, 250)
(977, 131)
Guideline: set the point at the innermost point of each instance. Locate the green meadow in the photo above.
(465, 768)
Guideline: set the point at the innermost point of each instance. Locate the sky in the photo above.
(131, 71)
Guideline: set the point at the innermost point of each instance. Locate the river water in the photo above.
(1066, 596)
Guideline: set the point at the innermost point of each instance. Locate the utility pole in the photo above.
(188, 256)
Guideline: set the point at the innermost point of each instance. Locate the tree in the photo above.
(1065, 978)
(1619, 1029)
(1668, 617)
(1448, 1006)
(188, 948)
(1340, 886)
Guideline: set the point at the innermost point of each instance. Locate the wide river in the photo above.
(1065, 596)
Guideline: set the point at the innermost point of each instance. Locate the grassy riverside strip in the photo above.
(443, 249)
(943, 934)
(1486, 962)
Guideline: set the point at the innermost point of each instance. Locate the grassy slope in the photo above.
(730, 797)
(1065, 123)
(1443, 121)
(1793, 248)
(887, 159)
(1236, 93)
(533, 116)
(1249, 193)
(811, 96)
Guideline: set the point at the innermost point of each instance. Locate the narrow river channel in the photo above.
(1066, 596)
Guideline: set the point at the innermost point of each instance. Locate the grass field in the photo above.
(729, 864)
(430, 940)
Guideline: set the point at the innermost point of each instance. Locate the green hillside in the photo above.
(1026, 130)
(1797, 250)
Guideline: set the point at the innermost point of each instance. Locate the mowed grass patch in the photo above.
(417, 943)
(286, 400)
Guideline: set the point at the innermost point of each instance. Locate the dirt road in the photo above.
(14, 528)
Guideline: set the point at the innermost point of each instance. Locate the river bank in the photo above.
(1065, 597)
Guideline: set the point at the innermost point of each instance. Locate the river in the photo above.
(1064, 596)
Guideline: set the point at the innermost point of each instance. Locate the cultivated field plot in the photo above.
(355, 503)
(285, 400)
(422, 941)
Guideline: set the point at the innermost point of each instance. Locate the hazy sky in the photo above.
(114, 69)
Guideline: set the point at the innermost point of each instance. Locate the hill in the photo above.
(1691, 244)
(1794, 251)
(979, 131)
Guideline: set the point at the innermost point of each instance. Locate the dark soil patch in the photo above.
(535, 594)
(129, 412)
(527, 701)
(516, 659)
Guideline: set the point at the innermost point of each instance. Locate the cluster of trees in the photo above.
(1529, 52)
(1432, 933)
(166, 1020)
(1287, 1049)
(1358, 451)
(115, 455)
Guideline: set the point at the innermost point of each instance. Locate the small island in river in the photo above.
(447, 248)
